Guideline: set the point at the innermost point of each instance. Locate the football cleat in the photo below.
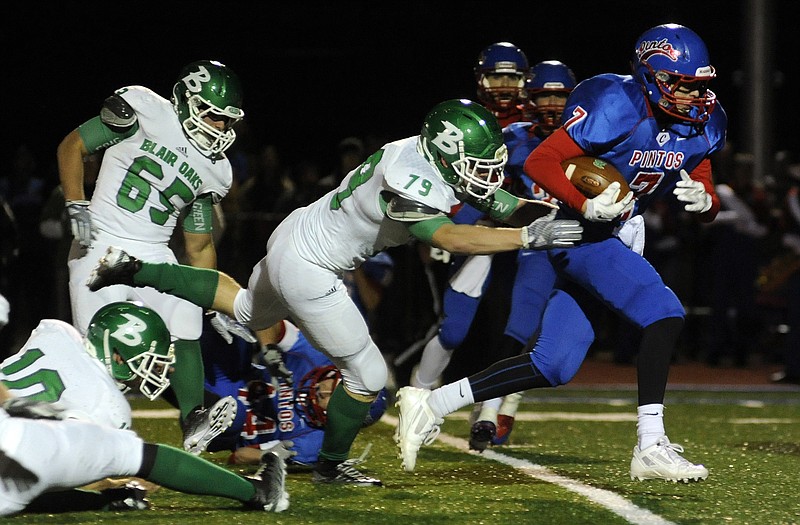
(115, 267)
(270, 484)
(344, 472)
(204, 424)
(131, 496)
(663, 461)
(505, 424)
(417, 424)
(481, 434)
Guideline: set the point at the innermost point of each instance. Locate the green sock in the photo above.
(181, 471)
(196, 285)
(345, 418)
(187, 379)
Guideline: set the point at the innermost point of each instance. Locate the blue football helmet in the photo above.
(502, 58)
(550, 77)
(670, 59)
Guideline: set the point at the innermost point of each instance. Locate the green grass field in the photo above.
(567, 464)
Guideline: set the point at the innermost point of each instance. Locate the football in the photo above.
(591, 175)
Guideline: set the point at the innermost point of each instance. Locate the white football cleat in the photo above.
(417, 424)
(663, 461)
(202, 425)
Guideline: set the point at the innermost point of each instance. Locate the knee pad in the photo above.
(365, 371)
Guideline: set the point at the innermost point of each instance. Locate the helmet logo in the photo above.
(194, 81)
(130, 332)
(649, 48)
(447, 140)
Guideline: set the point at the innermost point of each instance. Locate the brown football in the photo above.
(591, 176)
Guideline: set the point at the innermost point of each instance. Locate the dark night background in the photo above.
(316, 72)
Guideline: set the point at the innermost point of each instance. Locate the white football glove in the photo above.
(282, 449)
(632, 234)
(548, 232)
(227, 328)
(5, 308)
(604, 207)
(80, 220)
(693, 193)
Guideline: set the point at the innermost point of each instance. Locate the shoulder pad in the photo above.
(117, 113)
(405, 210)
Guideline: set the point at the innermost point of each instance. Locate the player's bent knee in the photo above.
(365, 372)
(559, 353)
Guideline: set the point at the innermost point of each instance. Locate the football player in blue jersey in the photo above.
(270, 408)
(548, 86)
(659, 127)
(501, 73)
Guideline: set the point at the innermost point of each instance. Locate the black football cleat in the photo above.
(115, 267)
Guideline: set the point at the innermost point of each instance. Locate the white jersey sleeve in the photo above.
(349, 225)
(413, 178)
(54, 366)
(147, 179)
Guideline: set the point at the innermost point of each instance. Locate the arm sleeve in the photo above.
(200, 216)
(499, 206)
(424, 230)
(543, 166)
(96, 135)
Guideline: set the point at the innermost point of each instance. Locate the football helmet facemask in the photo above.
(308, 403)
(550, 77)
(672, 63)
(501, 58)
(141, 339)
(464, 143)
(208, 89)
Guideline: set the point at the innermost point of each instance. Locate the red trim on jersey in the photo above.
(543, 165)
(702, 173)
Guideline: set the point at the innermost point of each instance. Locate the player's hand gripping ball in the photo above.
(591, 176)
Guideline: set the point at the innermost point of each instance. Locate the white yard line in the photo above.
(605, 498)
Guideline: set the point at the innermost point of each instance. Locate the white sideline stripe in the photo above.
(605, 498)
(562, 416)
(614, 417)
(160, 413)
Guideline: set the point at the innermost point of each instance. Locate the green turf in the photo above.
(755, 467)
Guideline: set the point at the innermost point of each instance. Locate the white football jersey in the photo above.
(54, 366)
(147, 179)
(349, 224)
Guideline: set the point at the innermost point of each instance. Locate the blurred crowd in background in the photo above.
(738, 277)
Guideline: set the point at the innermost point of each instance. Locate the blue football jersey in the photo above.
(609, 117)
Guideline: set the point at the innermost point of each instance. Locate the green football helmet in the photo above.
(140, 337)
(464, 142)
(208, 89)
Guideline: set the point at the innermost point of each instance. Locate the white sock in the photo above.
(650, 425)
(450, 397)
(489, 410)
(435, 359)
(510, 404)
